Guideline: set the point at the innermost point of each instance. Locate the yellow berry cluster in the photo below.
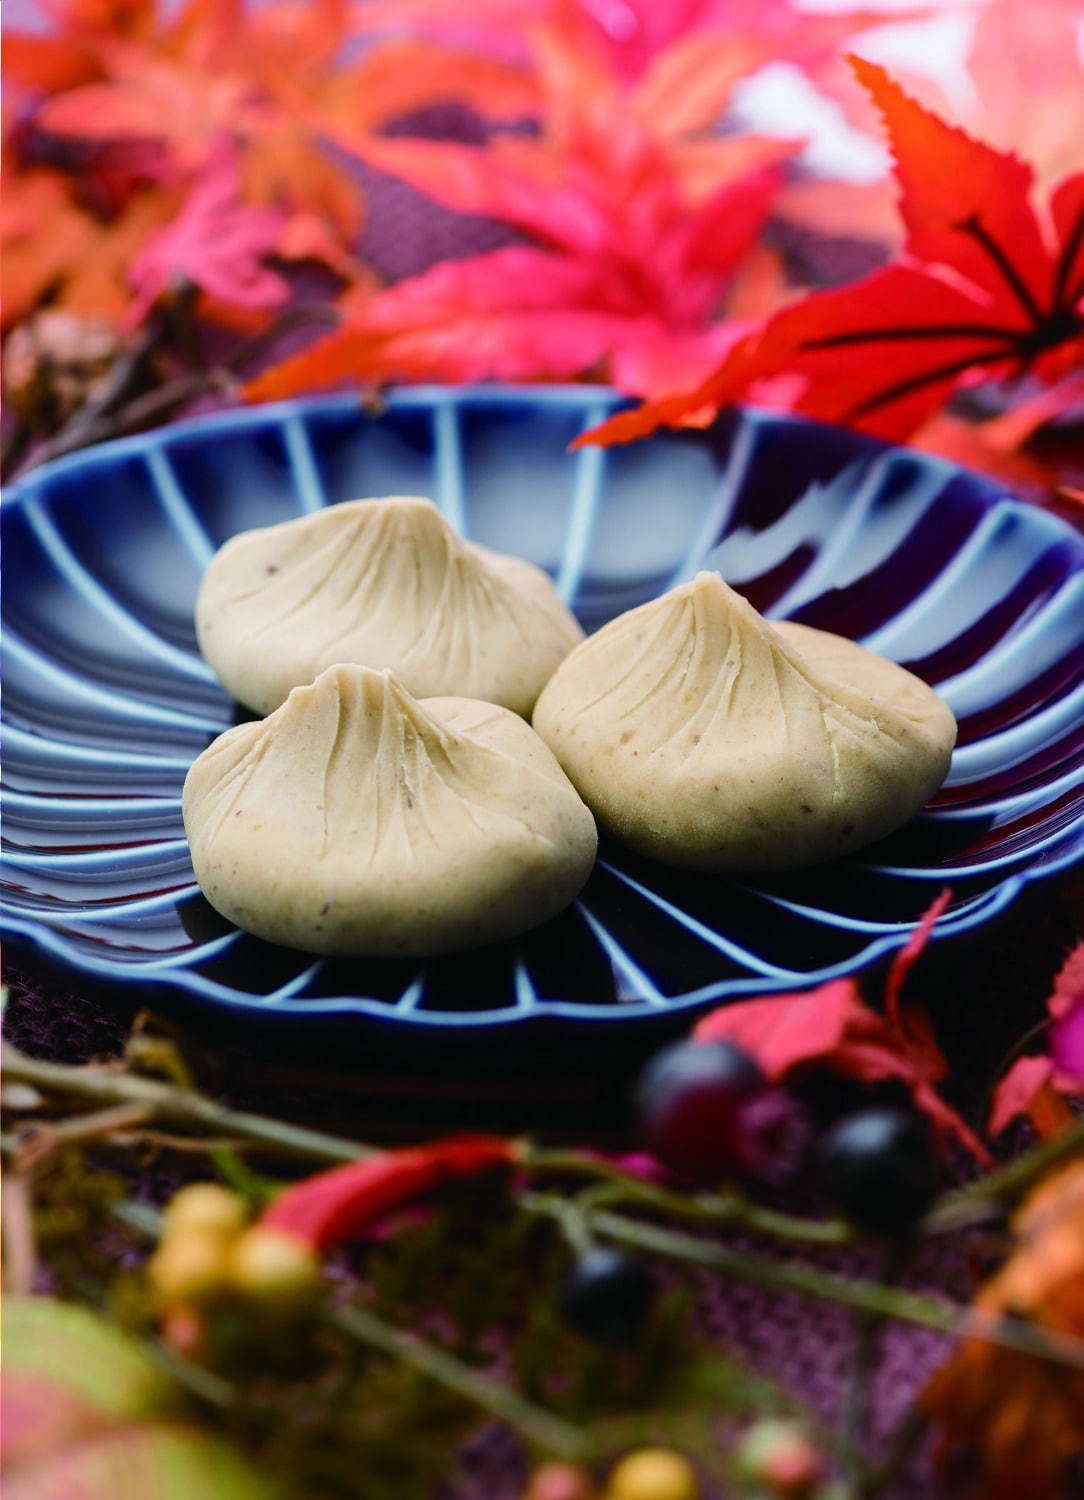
(209, 1252)
(645, 1474)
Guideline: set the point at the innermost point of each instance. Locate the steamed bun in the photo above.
(706, 737)
(356, 819)
(384, 583)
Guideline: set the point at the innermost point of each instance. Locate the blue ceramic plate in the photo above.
(108, 701)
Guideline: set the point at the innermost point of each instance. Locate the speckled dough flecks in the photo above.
(383, 583)
(707, 737)
(356, 819)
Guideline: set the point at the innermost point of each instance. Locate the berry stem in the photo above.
(987, 1196)
(729, 1207)
(855, 1409)
(202, 1383)
(900, 1449)
(175, 1106)
(811, 1281)
(541, 1428)
(538, 1426)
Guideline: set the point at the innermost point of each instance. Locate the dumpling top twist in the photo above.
(355, 819)
(384, 583)
(707, 737)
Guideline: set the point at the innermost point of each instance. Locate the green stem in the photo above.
(539, 1427)
(853, 1417)
(138, 1216)
(899, 1449)
(179, 1107)
(973, 1203)
(536, 1425)
(731, 1207)
(204, 1384)
(812, 1281)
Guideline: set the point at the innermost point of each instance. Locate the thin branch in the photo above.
(176, 1107)
(103, 417)
(14, 440)
(538, 1426)
(899, 1449)
(196, 1379)
(121, 377)
(856, 1394)
(974, 1203)
(20, 1257)
(731, 1207)
(43, 1137)
(811, 1281)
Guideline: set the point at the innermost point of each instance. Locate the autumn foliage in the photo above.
(1021, 1418)
(653, 237)
(991, 285)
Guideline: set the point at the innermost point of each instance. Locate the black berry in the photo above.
(879, 1168)
(691, 1096)
(607, 1296)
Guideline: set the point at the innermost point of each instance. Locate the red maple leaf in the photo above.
(635, 244)
(987, 288)
(1035, 107)
(831, 1027)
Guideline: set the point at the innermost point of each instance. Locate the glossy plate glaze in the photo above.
(108, 701)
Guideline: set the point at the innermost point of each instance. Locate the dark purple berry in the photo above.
(607, 1296)
(691, 1098)
(879, 1168)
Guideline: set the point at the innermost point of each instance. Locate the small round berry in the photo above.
(274, 1269)
(205, 1206)
(607, 1296)
(691, 1097)
(558, 1481)
(183, 1330)
(879, 1168)
(189, 1266)
(653, 1474)
(778, 1458)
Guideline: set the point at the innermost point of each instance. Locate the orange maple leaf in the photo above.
(272, 78)
(52, 246)
(1021, 1416)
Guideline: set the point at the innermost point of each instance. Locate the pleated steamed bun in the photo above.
(705, 736)
(357, 820)
(382, 583)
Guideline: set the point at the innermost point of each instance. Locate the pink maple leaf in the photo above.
(217, 242)
(1037, 1086)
